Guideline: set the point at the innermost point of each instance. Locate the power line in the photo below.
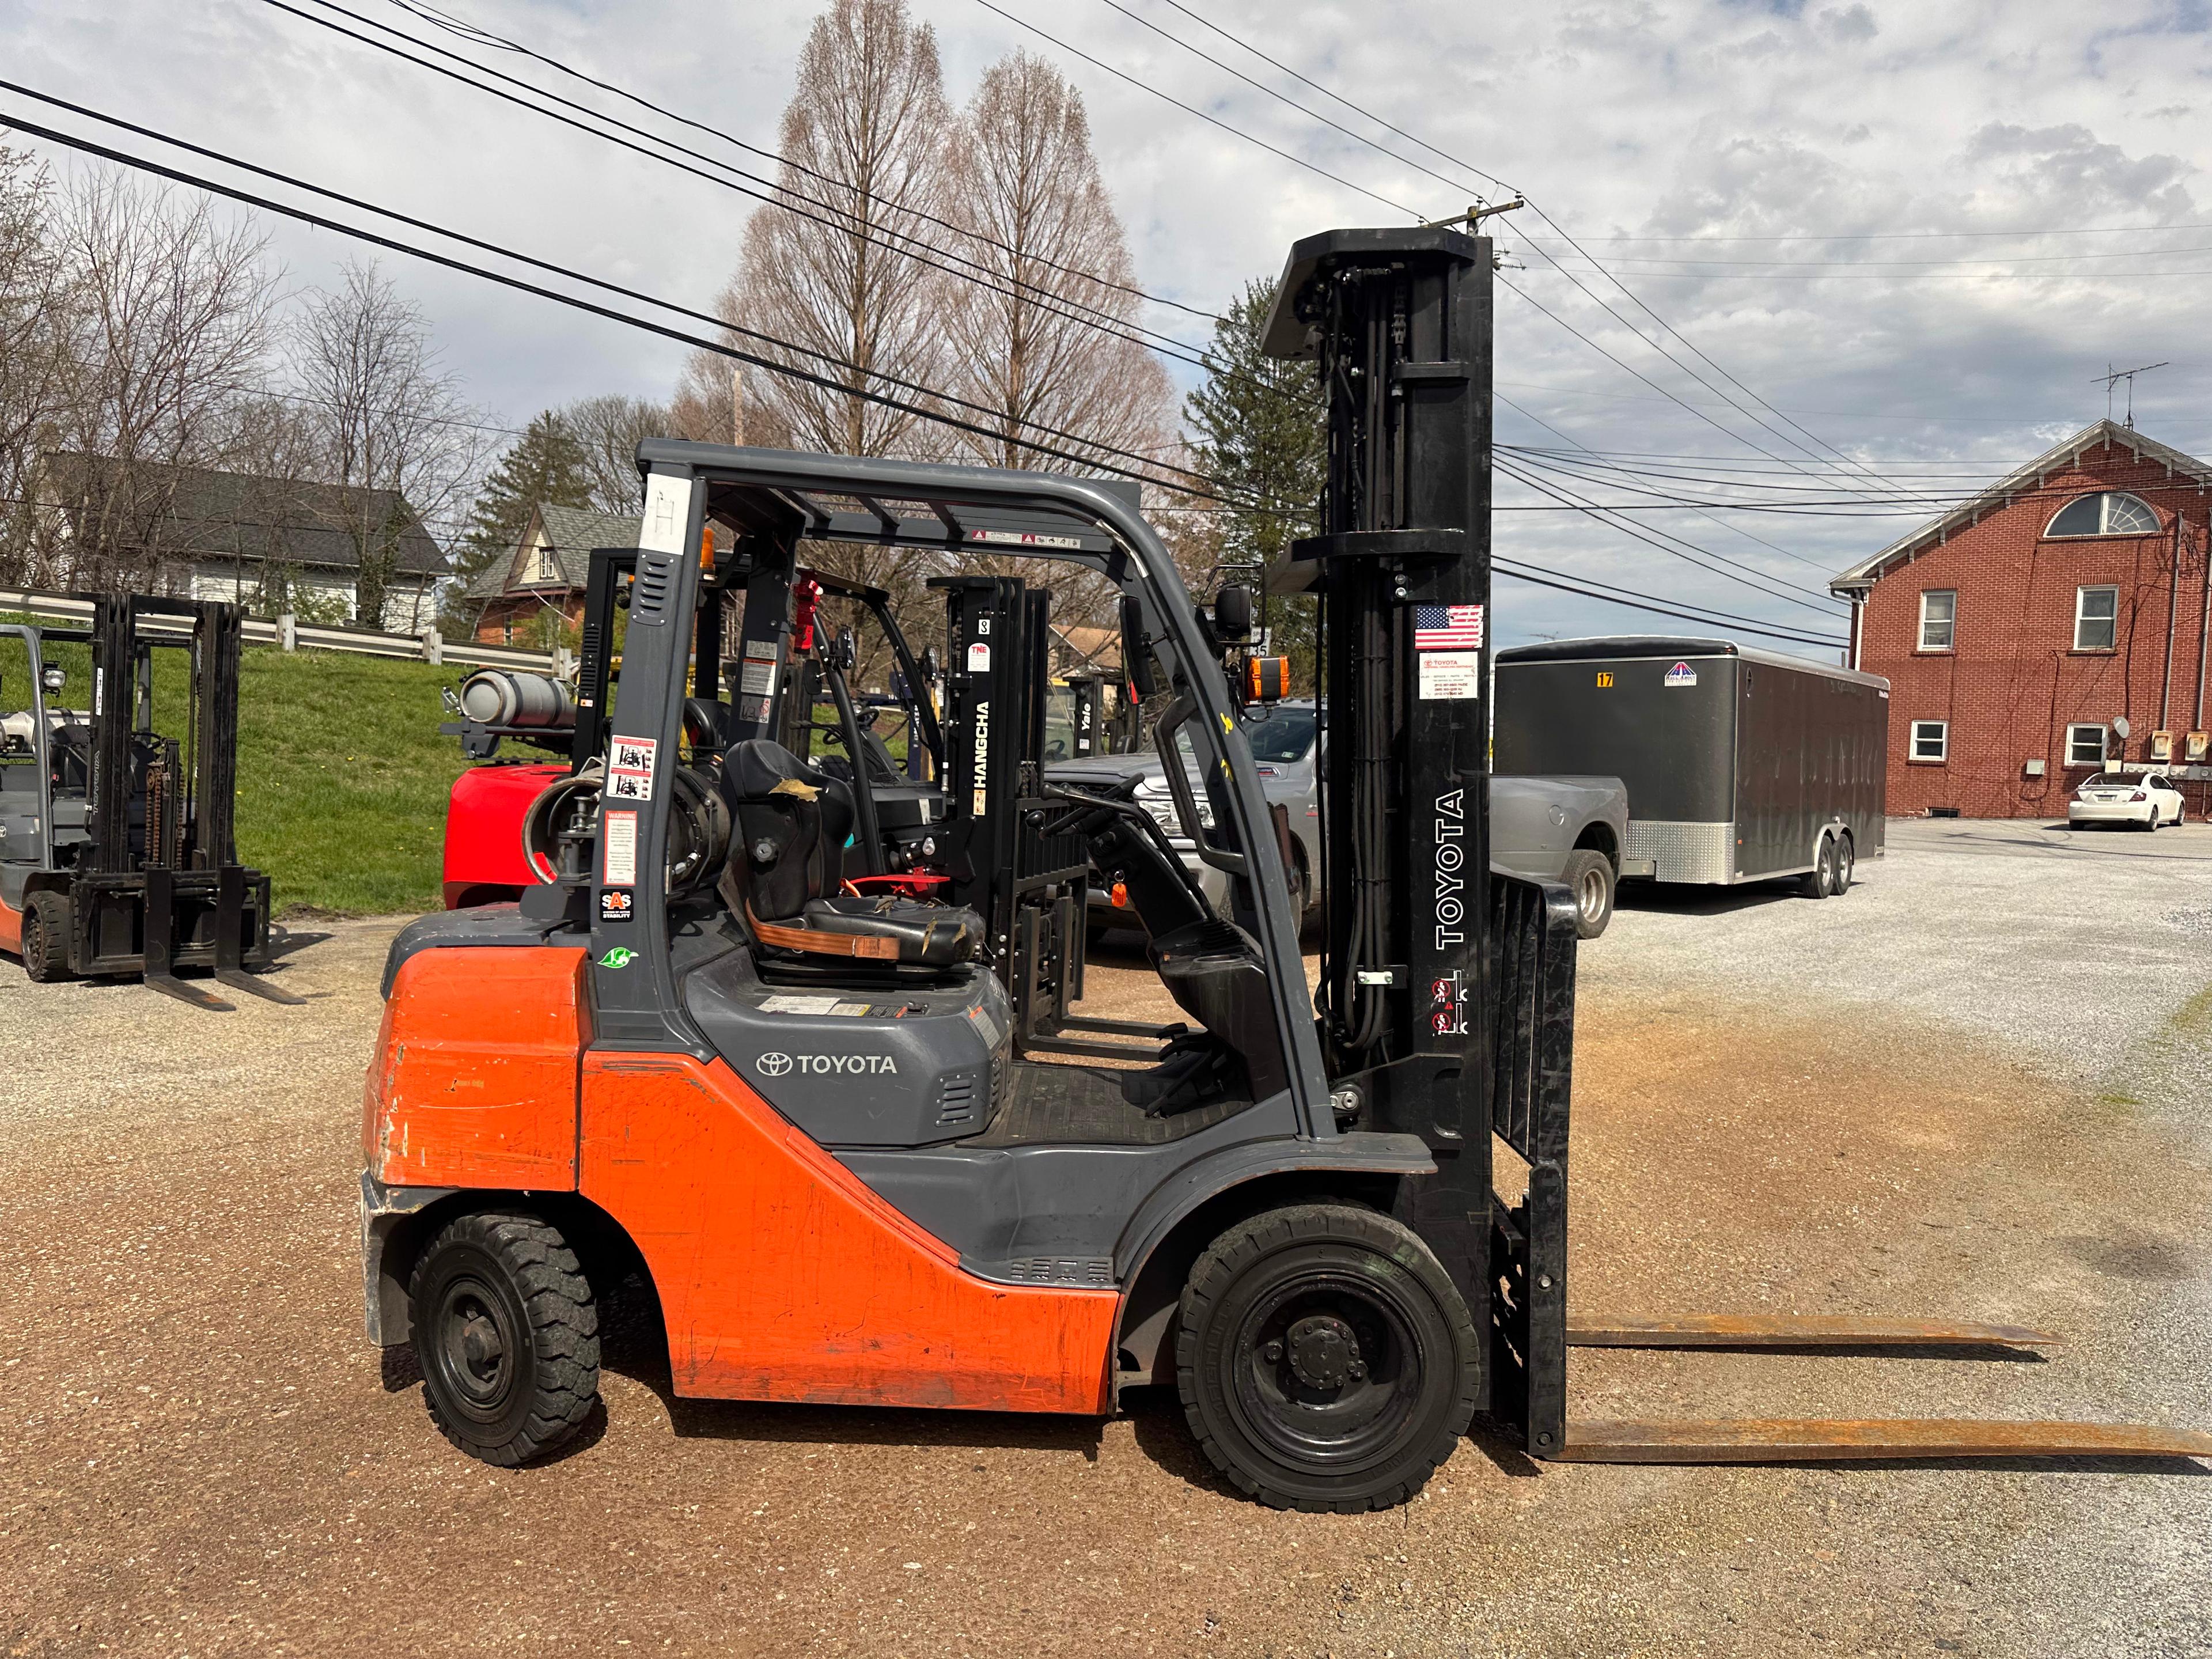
(1588, 588)
(467, 30)
(1314, 115)
(770, 364)
(1898, 235)
(717, 346)
(1295, 161)
(772, 192)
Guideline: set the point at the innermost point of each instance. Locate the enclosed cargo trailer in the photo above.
(1741, 765)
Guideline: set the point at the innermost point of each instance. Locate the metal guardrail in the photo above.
(289, 633)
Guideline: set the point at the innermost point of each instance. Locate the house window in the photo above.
(1931, 741)
(2114, 513)
(2096, 618)
(547, 569)
(1939, 613)
(2085, 745)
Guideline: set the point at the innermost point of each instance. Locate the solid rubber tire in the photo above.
(45, 937)
(1254, 1256)
(535, 1291)
(1579, 865)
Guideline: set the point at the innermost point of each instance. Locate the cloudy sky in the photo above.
(1854, 258)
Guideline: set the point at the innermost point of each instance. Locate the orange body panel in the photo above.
(11, 929)
(475, 1079)
(783, 1277)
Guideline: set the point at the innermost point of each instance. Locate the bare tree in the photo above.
(175, 330)
(610, 427)
(1026, 190)
(396, 438)
(40, 318)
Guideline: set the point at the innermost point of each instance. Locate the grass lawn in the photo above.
(343, 779)
(341, 775)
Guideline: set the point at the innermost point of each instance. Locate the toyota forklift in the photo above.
(697, 1054)
(118, 857)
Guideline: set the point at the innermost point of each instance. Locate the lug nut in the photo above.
(1272, 1353)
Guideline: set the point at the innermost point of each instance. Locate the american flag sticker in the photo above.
(1447, 627)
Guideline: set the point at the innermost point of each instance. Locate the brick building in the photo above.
(2052, 626)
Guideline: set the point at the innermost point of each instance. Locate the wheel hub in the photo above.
(1324, 1353)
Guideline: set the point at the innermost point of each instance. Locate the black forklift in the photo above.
(802, 1112)
(117, 852)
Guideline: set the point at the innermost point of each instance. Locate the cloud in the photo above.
(1861, 131)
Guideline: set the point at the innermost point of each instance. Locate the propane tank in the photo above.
(499, 696)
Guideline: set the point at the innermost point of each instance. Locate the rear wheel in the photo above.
(45, 937)
(507, 1336)
(1818, 882)
(1840, 865)
(1325, 1359)
(1589, 876)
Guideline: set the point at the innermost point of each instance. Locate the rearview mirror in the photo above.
(1232, 615)
(1137, 649)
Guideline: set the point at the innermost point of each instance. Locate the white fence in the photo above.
(289, 633)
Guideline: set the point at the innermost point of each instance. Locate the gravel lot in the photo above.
(1973, 1087)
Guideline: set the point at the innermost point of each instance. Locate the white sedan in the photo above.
(2144, 799)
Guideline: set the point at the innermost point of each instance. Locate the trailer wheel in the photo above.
(1816, 882)
(1589, 876)
(1841, 864)
(506, 1335)
(1325, 1359)
(45, 937)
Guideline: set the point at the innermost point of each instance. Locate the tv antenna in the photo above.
(2109, 380)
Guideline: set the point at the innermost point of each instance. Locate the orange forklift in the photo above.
(796, 1104)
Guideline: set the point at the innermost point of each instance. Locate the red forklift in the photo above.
(700, 1051)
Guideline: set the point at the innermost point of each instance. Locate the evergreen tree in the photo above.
(548, 465)
(1258, 435)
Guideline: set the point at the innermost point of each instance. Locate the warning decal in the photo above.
(630, 768)
(618, 837)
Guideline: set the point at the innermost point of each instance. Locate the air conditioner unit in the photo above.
(2032, 768)
(2200, 744)
(2161, 745)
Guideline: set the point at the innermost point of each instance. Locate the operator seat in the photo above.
(786, 867)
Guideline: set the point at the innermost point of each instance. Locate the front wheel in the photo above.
(45, 937)
(507, 1336)
(1325, 1359)
(1590, 877)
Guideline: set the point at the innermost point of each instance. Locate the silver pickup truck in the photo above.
(1570, 830)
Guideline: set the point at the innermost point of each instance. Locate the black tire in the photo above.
(1815, 883)
(506, 1335)
(1842, 864)
(1590, 877)
(45, 937)
(1325, 1360)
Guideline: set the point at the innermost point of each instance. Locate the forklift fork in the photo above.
(1532, 967)
(159, 924)
(229, 951)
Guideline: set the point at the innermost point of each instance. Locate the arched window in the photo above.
(2114, 513)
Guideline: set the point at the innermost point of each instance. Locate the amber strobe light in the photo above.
(1265, 679)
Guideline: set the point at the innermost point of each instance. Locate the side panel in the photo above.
(782, 1277)
(1670, 741)
(483, 826)
(11, 929)
(1809, 758)
(475, 1079)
